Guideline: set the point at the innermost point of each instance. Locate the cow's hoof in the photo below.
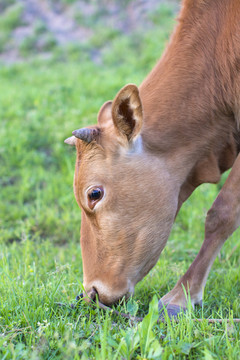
(172, 310)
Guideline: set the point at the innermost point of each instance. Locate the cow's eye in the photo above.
(94, 195)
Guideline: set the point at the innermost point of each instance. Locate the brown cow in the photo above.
(151, 148)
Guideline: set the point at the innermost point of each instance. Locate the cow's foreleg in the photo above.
(222, 219)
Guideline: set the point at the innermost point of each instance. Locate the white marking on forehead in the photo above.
(137, 146)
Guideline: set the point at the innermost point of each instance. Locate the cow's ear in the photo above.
(105, 114)
(127, 112)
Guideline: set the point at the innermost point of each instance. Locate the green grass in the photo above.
(40, 257)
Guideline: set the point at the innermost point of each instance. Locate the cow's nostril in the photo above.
(93, 294)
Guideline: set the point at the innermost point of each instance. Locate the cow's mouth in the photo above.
(93, 297)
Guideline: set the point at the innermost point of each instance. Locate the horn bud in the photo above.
(71, 141)
(86, 134)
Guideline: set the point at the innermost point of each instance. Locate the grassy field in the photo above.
(41, 102)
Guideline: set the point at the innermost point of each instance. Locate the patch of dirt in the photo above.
(48, 23)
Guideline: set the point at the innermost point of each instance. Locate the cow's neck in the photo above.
(188, 115)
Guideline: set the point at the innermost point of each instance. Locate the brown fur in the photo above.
(155, 146)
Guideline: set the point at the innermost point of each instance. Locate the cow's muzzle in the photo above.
(91, 295)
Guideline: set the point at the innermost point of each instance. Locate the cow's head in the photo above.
(127, 195)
